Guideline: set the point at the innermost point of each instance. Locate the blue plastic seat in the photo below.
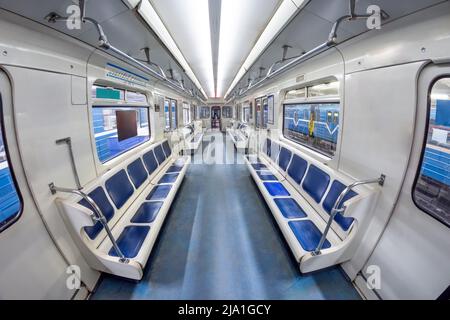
(169, 178)
(147, 213)
(290, 208)
(259, 166)
(335, 190)
(167, 149)
(266, 176)
(175, 169)
(159, 153)
(284, 159)
(276, 189)
(159, 193)
(137, 173)
(119, 188)
(150, 161)
(316, 183)
(101, 200)
(297, 168)
(130, 241)
(307, 234)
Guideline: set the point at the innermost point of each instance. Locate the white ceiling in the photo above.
(234, 27)
(313, 24)
(217, 40)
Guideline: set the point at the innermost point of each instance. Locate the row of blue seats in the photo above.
(307, 178)
(120, 189)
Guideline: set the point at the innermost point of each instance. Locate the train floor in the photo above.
(220, 241)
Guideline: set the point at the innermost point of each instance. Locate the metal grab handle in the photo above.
(97, 213)
(337, 210)
(331, 42)
(104, 43)
(68, 142)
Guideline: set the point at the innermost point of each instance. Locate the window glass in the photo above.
(173, 105)
(432, 189)
(194, 112)
(308, 124)
(135, 97)
(258, 112)
(246, 114)
(119, 129)
(227, 112)
(324, 89)
(167, 113)
(265, 112)
(186, 114)
(296, 93)
(10, 202)
(205, 113)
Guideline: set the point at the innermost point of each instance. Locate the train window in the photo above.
(135, 97)
(193, 112)
(227, 112)
(265, 114)
(296, 93)
(173, 107)
(246, 115)
(324, 89)
(170, 114)
(119, 129)
(431, 192)
(10, 200)
(205, 113)
(186, 113)
(308, 125)
(258, 107)
(167, 114)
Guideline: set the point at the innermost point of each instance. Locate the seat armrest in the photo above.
(78, 215)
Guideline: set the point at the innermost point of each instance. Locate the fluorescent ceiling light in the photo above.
(199, 13)
(282, 16)
(235, 20)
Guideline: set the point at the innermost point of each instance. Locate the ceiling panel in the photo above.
(183, 19)
(244, 22)
(120, 24)
(313, 24)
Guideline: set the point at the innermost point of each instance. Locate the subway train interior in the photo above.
(225, 150)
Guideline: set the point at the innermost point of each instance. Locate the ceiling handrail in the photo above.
(331, 42)
(104, 43)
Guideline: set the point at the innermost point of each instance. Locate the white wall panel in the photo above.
(376, 139)
(44, 114)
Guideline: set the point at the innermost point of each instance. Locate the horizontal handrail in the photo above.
(331, 42)
(98, 216)
(104, 43)
(338, 203)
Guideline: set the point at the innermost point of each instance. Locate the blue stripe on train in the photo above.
(9, 200)
(436, 165)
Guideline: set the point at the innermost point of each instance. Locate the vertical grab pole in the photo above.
(68, 142)
(336, 209)
(98, 216)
